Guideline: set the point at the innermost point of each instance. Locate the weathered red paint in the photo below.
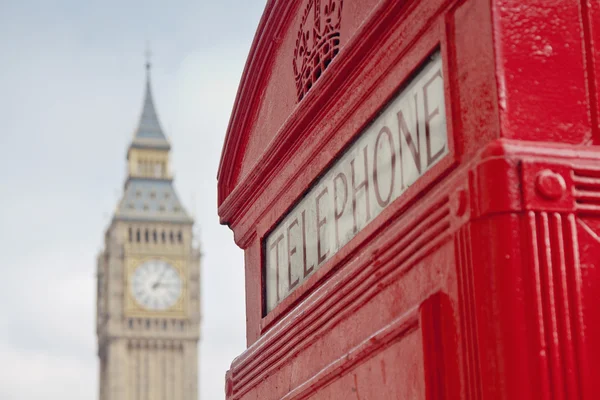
(482, 279)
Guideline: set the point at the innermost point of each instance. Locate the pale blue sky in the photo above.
(71, 90)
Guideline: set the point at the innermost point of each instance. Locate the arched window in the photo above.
(146, 235)
(179, 237)
(137, 236)
(154, 236)
(171, 237)
(130, 234)
(163, 236)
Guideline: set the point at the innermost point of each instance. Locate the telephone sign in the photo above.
(399, 146)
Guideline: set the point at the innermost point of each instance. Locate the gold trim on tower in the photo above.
(134, 309)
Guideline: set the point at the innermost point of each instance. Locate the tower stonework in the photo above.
(148, 276)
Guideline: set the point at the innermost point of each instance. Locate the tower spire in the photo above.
(148, 55)
(149, 133)
(149, 192)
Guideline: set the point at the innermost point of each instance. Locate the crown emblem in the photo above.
(318, 42)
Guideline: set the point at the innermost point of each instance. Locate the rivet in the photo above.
(550, 185)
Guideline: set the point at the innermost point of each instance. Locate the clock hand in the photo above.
(162, 274)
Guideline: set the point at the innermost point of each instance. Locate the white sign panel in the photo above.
(401, 144)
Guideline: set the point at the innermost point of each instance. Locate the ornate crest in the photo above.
(318, 42)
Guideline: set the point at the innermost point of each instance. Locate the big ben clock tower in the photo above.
(148, 298)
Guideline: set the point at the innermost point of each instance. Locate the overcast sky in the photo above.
(71, 91)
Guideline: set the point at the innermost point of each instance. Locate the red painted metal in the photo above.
(482, 279)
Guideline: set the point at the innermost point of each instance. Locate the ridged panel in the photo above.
(557, 283)
(359, 284)
(380, 340)
(586, 190)
(468, 325)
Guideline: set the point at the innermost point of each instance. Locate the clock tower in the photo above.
(148, 295)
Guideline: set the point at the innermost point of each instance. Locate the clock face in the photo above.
(156, 285)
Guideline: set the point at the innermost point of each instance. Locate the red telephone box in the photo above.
(416, 187)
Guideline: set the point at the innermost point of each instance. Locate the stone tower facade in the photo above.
(148, 296)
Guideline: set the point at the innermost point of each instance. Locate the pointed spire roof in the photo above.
(148, 197)
(149, 133)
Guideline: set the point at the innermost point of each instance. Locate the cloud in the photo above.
(35, 375)
(75, 85)
(201, 101)
(46, 334)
